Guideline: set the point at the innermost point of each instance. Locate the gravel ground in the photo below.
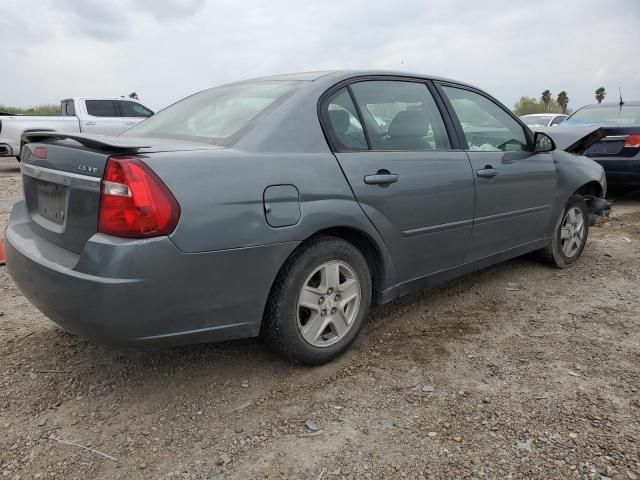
(519, 371)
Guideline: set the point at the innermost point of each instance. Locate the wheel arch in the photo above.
(372, 252)
(592, 188)
(377, 258)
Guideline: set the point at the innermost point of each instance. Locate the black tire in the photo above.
(553, 254)
(280, 323)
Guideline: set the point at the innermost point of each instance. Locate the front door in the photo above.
(515, 188)
(416, 189)
(132, 113)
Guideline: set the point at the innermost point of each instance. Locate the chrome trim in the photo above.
(73, 180)
(614, 138)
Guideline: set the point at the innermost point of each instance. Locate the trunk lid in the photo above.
(62, 180)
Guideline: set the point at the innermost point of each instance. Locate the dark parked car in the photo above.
(608, 133)
(284, 206)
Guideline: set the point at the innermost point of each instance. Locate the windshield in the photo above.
(531, 120)
(219, 115)
(613, 114)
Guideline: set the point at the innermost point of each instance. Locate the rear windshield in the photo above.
(531, 120)
(612, 114)
(219, 115)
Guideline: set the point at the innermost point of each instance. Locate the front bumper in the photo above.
(122, 291)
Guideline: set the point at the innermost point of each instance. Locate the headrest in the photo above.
(339, 120)
(409, 123)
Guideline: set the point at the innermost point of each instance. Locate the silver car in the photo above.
(543, 119)
(285, 206)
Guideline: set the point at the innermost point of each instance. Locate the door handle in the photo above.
(382, 178)
(487, 172)
(129, 123)
(90, 122)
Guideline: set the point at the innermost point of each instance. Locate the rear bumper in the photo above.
(143, 291)
(621, 171)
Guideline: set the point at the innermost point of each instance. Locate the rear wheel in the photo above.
(319, 302)
(570, 234)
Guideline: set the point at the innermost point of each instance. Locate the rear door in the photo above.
(102, 118)
(515, 188)
(414, 185)
(132, 112)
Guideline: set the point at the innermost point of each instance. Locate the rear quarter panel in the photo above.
(221, 197)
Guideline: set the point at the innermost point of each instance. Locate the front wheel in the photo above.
(570, 234)
(319, 301)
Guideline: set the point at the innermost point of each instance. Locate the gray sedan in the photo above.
(285, 206)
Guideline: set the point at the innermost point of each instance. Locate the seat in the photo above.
(408, 131)
(340, 121)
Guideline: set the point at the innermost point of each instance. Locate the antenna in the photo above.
(621, 102)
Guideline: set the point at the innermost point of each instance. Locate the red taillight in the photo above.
(40, 153)
(134, 202)
(633, 141)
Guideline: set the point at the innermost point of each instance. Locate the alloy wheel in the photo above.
(572, 232)
(328, 303)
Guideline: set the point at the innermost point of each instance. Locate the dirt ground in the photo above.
(519, 371)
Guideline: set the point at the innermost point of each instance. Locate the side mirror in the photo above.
(543, 143)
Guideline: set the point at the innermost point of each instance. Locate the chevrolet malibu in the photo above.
(285, 206)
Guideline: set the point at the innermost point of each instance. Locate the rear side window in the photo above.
(400, 115)
(133, 109)
(342, 123)
(219, 115)
(486, 126)
(558, 120)
(101, 108)
(68, 108)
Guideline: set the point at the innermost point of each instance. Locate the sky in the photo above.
(167, 49)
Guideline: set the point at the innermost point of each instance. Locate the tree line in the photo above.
(547, 104)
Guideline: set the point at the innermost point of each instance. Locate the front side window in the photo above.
(486, 126)
(133, 109)
(400, 115)
(342, 121)
(218, 115)
(101, 108)
(558, 120)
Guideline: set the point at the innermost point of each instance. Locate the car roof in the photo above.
(339, 75)
(612, 104)
(101, 98)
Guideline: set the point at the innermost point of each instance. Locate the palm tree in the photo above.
(134, 96)
(563, 101)
(600, 94)
(546, 99)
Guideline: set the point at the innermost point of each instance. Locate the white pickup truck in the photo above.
(106, 116)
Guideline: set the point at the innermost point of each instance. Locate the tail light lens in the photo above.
(40, 153)
(633, 141)
(134, 202)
